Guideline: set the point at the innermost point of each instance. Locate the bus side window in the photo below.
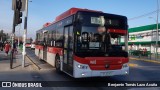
(49, 38)
(59, 37)
(45, 38)
(53, 37)
(51, 42)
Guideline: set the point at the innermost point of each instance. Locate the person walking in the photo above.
(7, 48)
(1, 46)
(15, 47)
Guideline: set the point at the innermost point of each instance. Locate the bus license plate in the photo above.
(106, 73)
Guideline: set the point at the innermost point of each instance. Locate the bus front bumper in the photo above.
(83, 70)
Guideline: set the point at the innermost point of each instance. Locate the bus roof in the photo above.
(69, 12)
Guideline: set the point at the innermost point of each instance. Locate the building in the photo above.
(144, 37)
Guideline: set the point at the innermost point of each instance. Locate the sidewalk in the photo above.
(143, 58)
(17, 73)
(5, 61)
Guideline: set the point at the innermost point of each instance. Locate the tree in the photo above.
(3, 36)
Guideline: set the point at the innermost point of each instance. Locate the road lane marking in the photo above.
(153, 61)
(150, 66)
(132, 65)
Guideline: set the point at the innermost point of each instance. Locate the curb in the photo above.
(153, 61)
(34, 64)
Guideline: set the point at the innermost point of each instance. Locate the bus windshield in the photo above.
(28, 41)
(94, 39)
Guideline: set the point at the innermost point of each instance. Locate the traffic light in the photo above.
(18, 13)
(18, 18)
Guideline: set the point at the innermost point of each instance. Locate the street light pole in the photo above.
(25, 34)
(18, 36)
(12, 38)
(157, 37)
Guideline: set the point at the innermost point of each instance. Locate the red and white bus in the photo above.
(28, 42)
(85, 43)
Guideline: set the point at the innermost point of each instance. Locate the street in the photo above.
(143, 71)
(79, 45)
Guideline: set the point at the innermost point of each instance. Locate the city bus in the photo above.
(28, 42)
(85, 43)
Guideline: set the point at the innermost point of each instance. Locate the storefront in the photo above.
(144, 37)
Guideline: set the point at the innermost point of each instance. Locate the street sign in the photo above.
(23, 5)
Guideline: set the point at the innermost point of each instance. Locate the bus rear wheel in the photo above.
(57, 63)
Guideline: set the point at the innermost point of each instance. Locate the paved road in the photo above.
(145, 71)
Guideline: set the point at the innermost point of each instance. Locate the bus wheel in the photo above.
(57, 63)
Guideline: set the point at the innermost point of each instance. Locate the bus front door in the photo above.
(68, 50)
(45, 45)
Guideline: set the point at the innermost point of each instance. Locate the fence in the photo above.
(143, 54)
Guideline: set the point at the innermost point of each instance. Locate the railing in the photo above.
(139, 53)
(143, 54)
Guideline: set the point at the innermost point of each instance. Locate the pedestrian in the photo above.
(15, 47)
(1, 46)
(145, 51)
(7, 48)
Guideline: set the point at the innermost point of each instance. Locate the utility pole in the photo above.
(12, 36)
(157, 37)
(17, 7)
(25, 34)
(19, 37)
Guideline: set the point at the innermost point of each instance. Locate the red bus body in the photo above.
(75, 65)
(28, 42)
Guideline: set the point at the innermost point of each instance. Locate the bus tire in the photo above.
(57, 63)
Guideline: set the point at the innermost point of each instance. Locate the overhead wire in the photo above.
(144, 15)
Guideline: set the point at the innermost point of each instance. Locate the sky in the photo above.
(42, 11)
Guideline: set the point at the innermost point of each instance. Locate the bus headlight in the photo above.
(82, 66)
(125, 65)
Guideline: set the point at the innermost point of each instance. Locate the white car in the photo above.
(32, 46)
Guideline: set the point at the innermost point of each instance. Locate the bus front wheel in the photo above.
(57, 63)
